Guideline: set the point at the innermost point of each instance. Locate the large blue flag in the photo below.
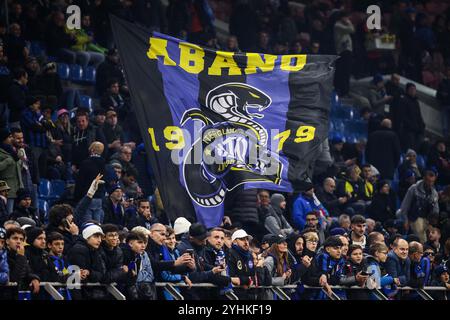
(216, 122)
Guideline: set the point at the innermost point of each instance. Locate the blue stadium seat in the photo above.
(37, 49)
(86, 102)
(89, 74)
(421, 161)
(57, 188)
(76, 73)
(338, 125)
(63, 71)
(43, 206)
(44, 189)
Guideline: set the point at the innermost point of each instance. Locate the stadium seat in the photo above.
(44, 189)
(76, 73)
(421, 161)
(37, 49)
(89, 74)
(57, 188)
(63, 71)
(86, 102)
(43, 206)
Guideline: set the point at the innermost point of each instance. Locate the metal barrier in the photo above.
(279, 291)
(49, 287)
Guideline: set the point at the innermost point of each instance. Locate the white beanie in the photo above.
(181, 225)
(90, 230)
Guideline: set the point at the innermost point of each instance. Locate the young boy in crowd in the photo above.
(375, 268)
(4, 268)
(140, 282)
(56, 260)
(442, 279)
(86, 255)
(328, 267)
(355, 273)
(112, 255)
(19, 268)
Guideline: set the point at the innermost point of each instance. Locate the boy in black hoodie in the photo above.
(19, 269)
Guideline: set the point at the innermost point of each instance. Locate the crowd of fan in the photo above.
(350, 226)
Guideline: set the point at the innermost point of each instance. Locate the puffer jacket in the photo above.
(419, 203)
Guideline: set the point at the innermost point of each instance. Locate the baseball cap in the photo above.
(239, 234)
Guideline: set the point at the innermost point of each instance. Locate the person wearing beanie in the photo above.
(271, 213)
(113, 207)
(24, 209)
(86, 255)
(9, 167)
(36, 254)
(181, 227)
(441, 279)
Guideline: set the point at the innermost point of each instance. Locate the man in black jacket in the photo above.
(244, 270)
(89, 169)
(113, 207)
(108, 70)
(19, 269)
(155, 242)
(330, 200)
(84, 135)
(412, 126)
(86, 255)
(112, 255)
(143, 217)
(24, 208)
(204, 272)
(383, 150)
(17, 95)
(36, 254)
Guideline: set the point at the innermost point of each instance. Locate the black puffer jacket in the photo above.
(20, 271)
(87, 258)
(113, 261)
(38, 261)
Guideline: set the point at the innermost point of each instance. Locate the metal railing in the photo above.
(279, 291)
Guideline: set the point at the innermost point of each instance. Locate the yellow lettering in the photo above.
(224, 60)
(304, 134)
(151, 132)
(287, 59)
(191, 58)
(158, 48)
(283, 137)
(254, 60)
(175, 136)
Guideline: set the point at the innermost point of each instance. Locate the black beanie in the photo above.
(33, 233)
